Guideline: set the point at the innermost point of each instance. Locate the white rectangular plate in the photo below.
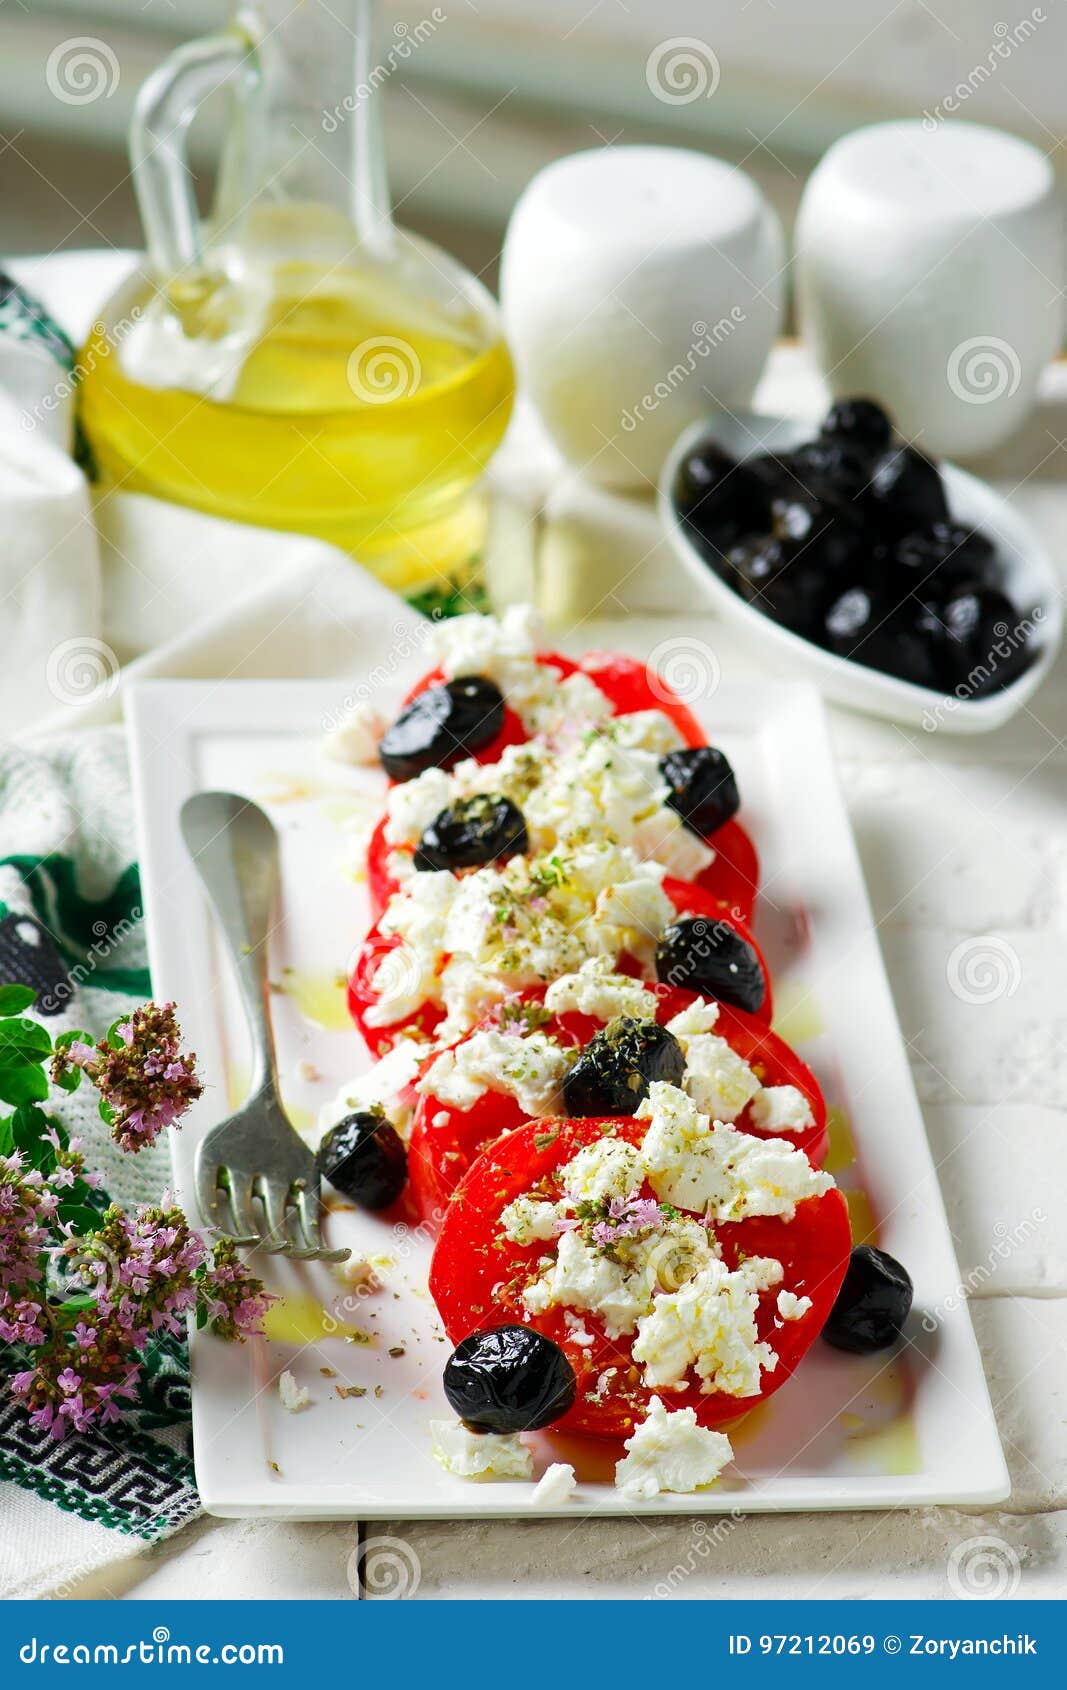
(845, 1432)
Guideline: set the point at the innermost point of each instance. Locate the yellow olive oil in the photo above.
(325, 400)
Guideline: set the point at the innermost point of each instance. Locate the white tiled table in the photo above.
(961, 840)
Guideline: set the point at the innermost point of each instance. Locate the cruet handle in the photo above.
(163, 114)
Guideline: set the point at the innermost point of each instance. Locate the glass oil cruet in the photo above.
(297, 361)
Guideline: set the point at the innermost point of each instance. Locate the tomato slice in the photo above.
(732, 880)
(477, 1276)
(446, 1139)
(627, 683)
(373, 955)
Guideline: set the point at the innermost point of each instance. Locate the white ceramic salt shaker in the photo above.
(641, 288)
(929, 264)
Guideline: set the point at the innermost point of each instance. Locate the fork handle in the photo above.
(234, 848)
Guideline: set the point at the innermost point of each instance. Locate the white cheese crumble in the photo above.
(381, 1085)
(504, 649)
(529, 1069)
(608, 1168)
(670, 1452)
(709, 1324)
(467, 941)
(531, 1219)
(556, 1486)
(584, 1279)
(596, 990)
(792, 1307)
(719, 1081)
(355, 739)
(603, 784)
(294, 1397)
(781, 1109)
(727, 1175)
(479, 1455)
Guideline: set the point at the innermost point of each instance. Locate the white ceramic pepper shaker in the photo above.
(641, 287)
(929, 264)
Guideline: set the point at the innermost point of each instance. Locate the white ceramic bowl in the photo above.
(1029, 581)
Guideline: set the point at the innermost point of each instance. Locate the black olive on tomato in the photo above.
(441, 726)
(717, 498)
(872, 1305)
(944, 556)
(985, 641)
(364, 1158)
(485, 828)
(905, 640)
(509, 1379)
(905, 492)
(712, 958)
(702, 788)
(617, 1066)
(861, 423)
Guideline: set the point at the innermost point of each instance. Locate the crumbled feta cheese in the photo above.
(792, 1307)
(413, 804)
(670, 1452)
(600, 783)
(719, 1081)
(381, 1085)
(728, 1175)
(355, 739)
(716, 1078)
(359, 1273)
(700, 1016)
(529, 1219)
(479, 1455)
(582, 1278)
(294, 1397)
(556, 1486)
(530, 1069)
(610, 1167)
(501, 930)
(598, 991)
(781, 1109)
(709, 1324)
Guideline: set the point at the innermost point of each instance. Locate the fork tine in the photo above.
(241, 1189)
(309, 1208)
(273, 1197)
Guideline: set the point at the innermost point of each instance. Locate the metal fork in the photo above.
(254, 1164)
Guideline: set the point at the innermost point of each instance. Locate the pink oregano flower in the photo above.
(145, 1080)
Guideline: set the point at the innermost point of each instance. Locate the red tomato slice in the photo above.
(446, 1139)
(632, 685)
(477, 1277)
(732, 880)
(629, 685)
(373, 955)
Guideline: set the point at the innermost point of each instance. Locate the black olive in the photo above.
(717, 498)
(483, 829)
(703, 788)
(711, 957)
(509, 1379)
(617, 1066)
(905, 492)
(364, 1158)
(795, 574)
(872, 1304)
(985, 641)
(939, 558)
(833, 470)
(442, 725)
(860, 422)
(905, 640)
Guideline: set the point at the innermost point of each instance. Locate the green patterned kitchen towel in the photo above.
(70, 927)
